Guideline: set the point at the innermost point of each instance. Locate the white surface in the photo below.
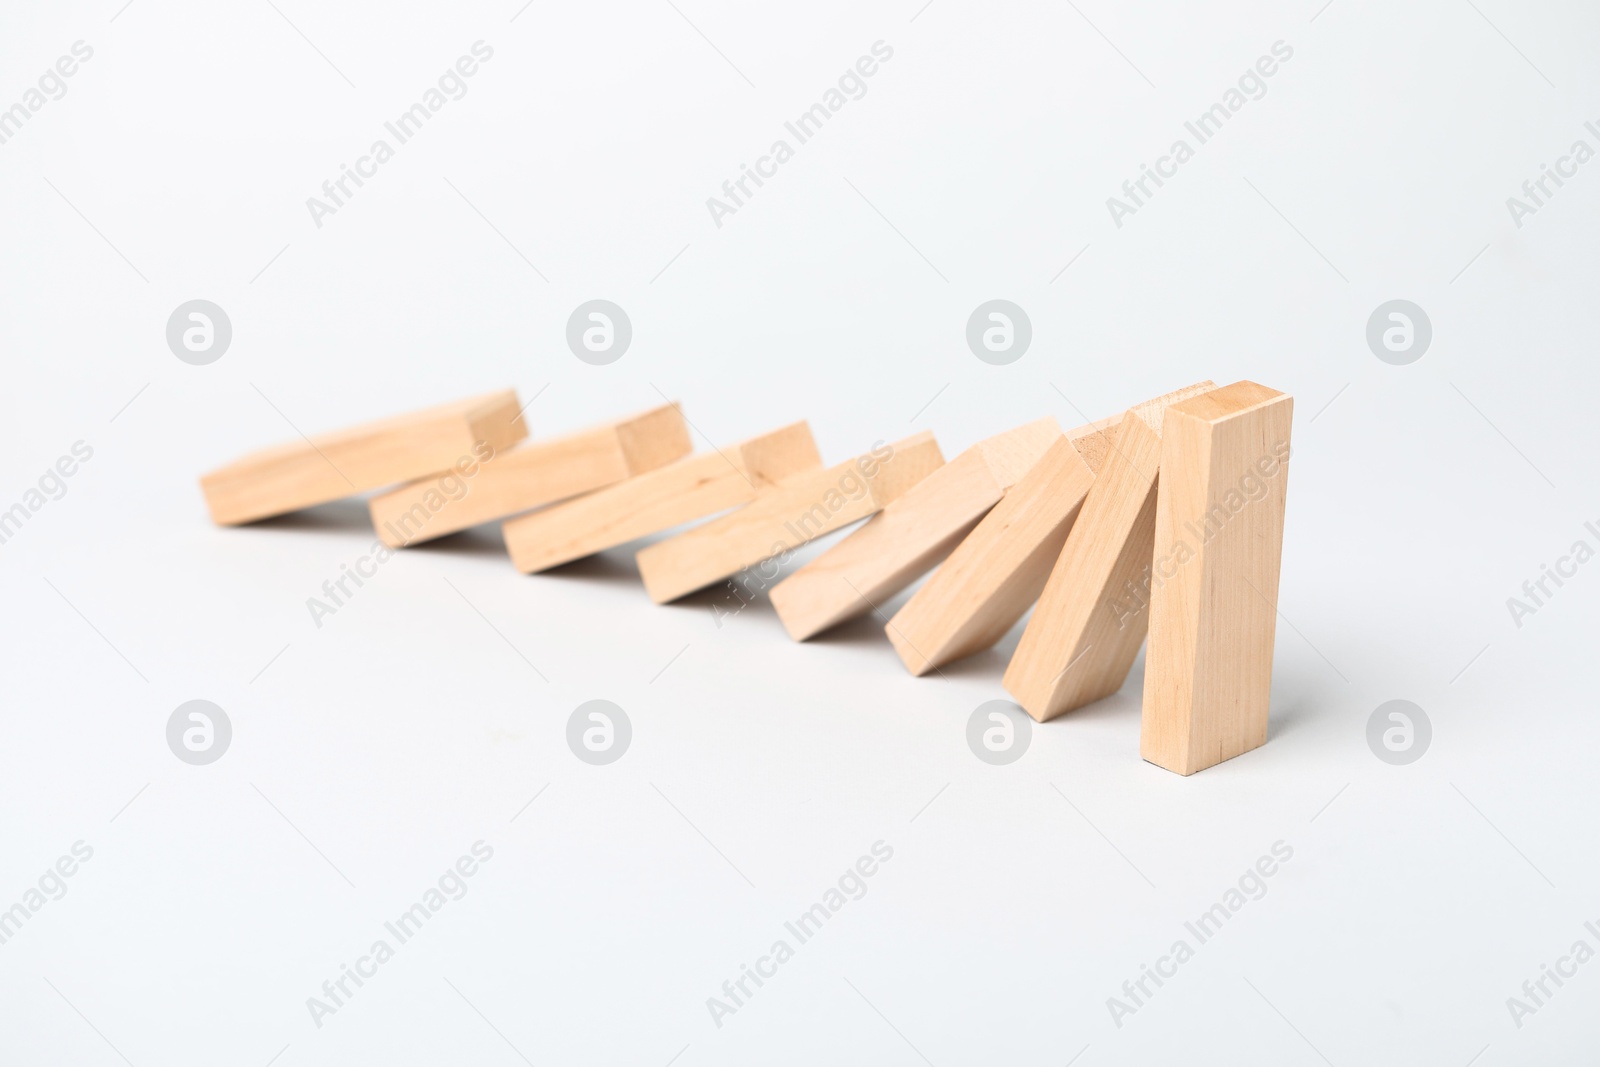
(405, 729)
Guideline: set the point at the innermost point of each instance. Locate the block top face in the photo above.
(653, 438)
(1224, 403)
(1151, 412)
(483, 414)
(1012, 454)
(783, 453)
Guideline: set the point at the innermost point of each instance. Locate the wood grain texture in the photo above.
(906, 539)
(680, 492)
(994, 574)
(520, 479)
(307, 472)
(1082, 639)
(782, 518)
(1213, 591)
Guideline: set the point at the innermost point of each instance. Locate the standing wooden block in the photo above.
(1086, 631)
(800, 509)
(1214, 592)
(997, 571)
(901, 543)
(528, 477)
(680, 492)
(305, 473)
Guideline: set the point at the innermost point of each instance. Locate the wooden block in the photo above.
(1084, 636)
(991, 577)
(528, 477)
(304, 473)
(680, 492)
(1214, 590)
(906, 539)
(780, 519)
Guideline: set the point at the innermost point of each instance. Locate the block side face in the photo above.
(1017, 591)
(889, 552)
(1076, 638)
(996, 572)
(690, 489)
(1176, 598)
(514, 481)
(779, 519)
(653, 439)
(1239, 585)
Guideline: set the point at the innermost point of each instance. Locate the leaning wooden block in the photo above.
(1086, 632)
(901, 543)
(313, 471)
(680, 492)
(800, 509)
(528, 477)
(990, 579)
(1214, 588)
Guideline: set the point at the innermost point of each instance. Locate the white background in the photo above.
(370, 753)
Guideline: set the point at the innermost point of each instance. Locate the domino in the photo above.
(780, 519)
(1085, 633)
(1214, 583)
(689, 489)
(994, 574)
(347, 462)
(487, 487)
(909, 537)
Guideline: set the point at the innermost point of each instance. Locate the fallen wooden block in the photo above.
(994, 574)
(1086, 632)
(304, 473)
(800, 509)
(680, 492)
(906, 539)
(1214, 589)
(524, 478)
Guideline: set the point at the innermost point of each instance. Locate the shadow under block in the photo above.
(799, 509)
(906, 539)
(491, 486)
(1086, 631)
(304, 473)
(680, 492)
(993, 575)
(1214, 596)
